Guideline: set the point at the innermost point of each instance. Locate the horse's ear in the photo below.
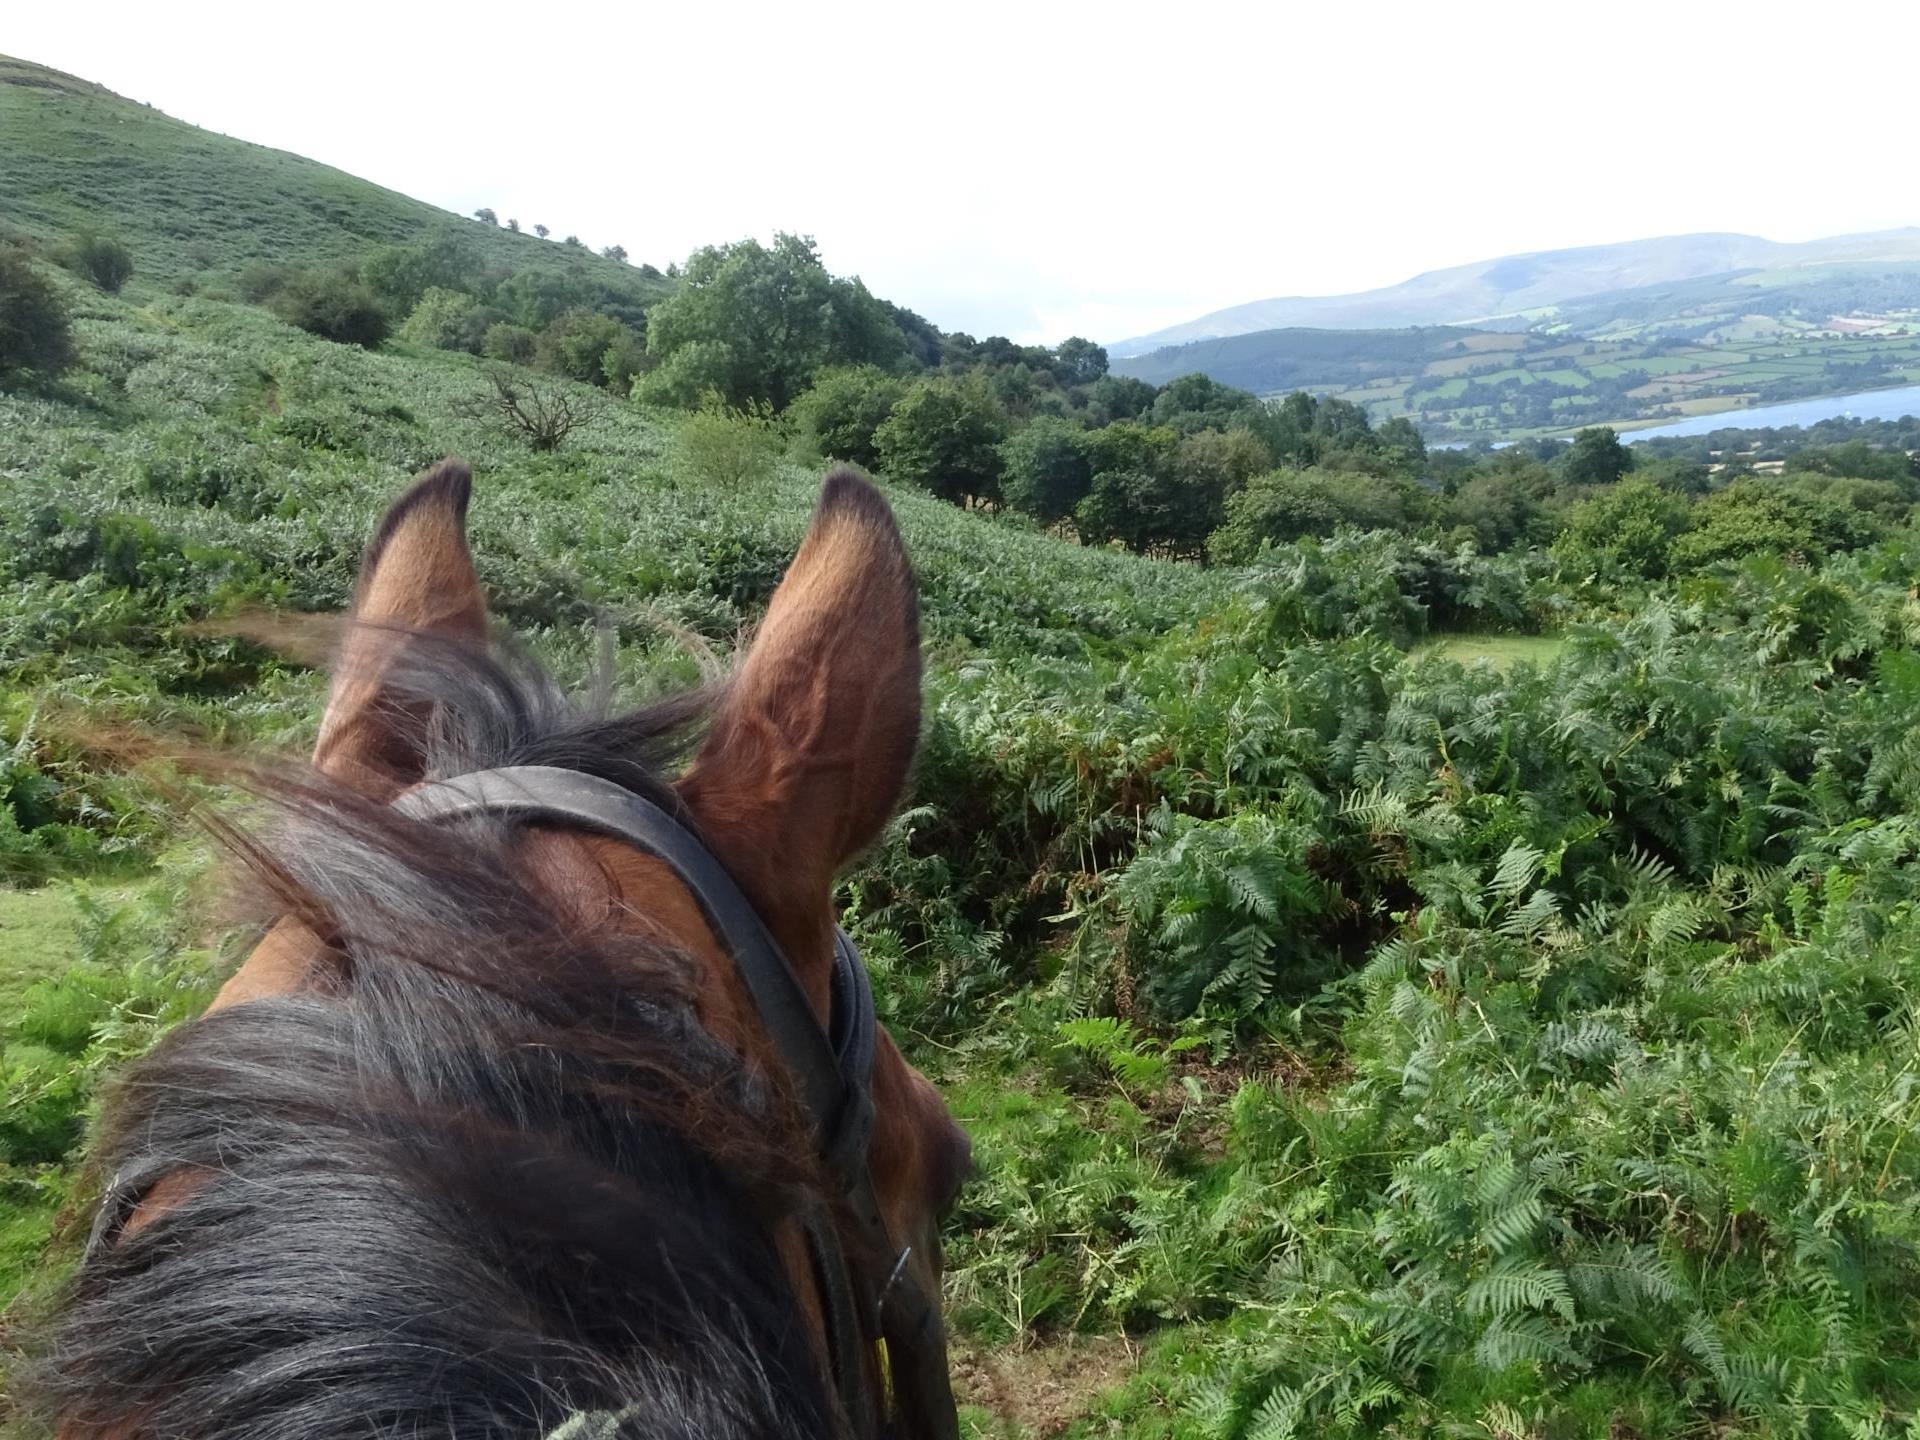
(811, 746)
(417, 579)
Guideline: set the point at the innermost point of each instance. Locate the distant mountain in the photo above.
(1492, 289)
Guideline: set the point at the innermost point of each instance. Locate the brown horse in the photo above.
(490, 1135)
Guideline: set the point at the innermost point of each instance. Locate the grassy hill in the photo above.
(196, 204)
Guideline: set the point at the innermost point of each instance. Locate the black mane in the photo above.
(491, 1185)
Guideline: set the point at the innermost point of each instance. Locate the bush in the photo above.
(730, 448)
(100, 258)
(513, 343)
(1744, 519)
(944, 435)
(35, 337)
(845, 409)
(1624, 531)
(334, 305)
(544, 413)
(591, 348)
(447, 320)
(261, 280)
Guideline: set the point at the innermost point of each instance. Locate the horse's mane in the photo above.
(481, 1191)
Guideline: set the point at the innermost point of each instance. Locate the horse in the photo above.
(549, 1102)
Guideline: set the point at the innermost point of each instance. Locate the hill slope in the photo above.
(1511, 284)
(190, 201)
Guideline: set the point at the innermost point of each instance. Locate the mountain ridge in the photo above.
(1507, 285)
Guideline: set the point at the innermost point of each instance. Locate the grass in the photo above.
(37, 937)
(1499, 651)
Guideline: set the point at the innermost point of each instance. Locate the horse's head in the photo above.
(805, 754)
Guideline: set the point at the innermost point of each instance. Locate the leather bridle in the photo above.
(880, 1325)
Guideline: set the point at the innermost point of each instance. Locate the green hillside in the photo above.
(77, 155)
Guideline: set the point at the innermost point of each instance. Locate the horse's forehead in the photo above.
(641, 895)
(591, 882)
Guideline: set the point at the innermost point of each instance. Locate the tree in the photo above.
(1142, 510)
(1138, 497)
(1623, 531)
(401, 274)
(100, 258)
(1596, 457)
(1216, 463)
(1118, 397)
(1079, 362)
(514, 225)
(1402, 448)
(1131, 445)
(1047, 472)
(486, 216)
(845, 410)
(1745, 519)
(541, 231)
(540, 294)
(1199, 402)
(615, 252)
(1292, 504)
(35, 338)
(1505, 503)
(944, 435)
(753, 322)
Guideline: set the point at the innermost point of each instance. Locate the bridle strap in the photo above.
(535, 793)
(831, 1067)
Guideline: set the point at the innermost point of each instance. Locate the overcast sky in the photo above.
(1038, 169)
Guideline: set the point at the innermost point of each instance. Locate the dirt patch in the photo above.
(1045, 1388)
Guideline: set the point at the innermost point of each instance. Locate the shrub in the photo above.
(544, 413)
(945, 435)
(844, 410)
(731, 448)
(261, 280)
(100, 258)
(334, 305)
(513, 343)
(447, 320)
(1623, 531)
(35, 337)
(591, 348)
(1744, 519)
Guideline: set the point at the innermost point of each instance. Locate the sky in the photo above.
(1044, 169)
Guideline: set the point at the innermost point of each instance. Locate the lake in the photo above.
(1867, 405)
